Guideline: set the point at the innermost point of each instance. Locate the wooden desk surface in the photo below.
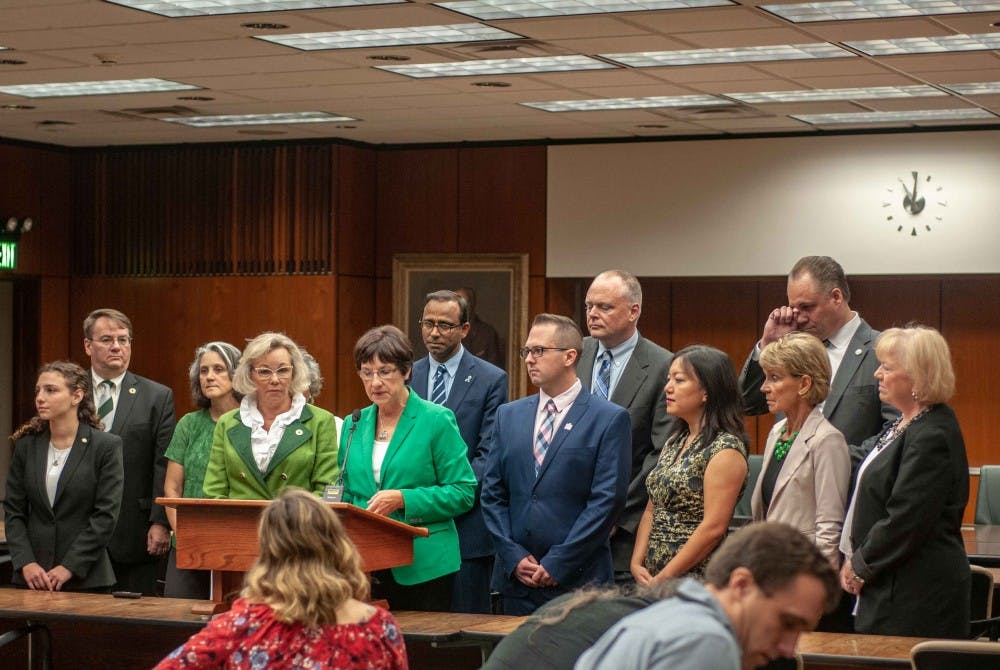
(46, 605)
(447, 626)
(867, 650)
(982, 544)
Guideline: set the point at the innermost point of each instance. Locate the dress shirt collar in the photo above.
(842, 337)
(563, 400)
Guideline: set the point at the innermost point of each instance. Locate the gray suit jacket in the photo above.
(853, 406)
(74, 531)
(640, 391)
(144, 419)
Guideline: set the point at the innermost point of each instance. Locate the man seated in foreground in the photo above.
(764, 586)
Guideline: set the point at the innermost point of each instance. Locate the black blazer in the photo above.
(75, 531)
(907, 536)
(144, 419)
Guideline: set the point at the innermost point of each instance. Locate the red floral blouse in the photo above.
(248, 637)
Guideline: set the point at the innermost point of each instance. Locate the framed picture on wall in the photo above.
(496, 286)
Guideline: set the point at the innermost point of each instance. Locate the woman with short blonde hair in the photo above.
(903, 551)
(275, 438)
(807, 467)
(301, 605)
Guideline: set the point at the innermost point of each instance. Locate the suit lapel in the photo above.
(464, 377)
(363, 445)
(40, 444)
(296, 434)
(403, 428)
(585, 368)
(126, 400)
(76, 455)
(632, 377)
(568, 425)
(418, 380)
(849, 364)
(797, 454)
(239, 437)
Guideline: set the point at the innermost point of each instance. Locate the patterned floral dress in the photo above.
(248, 637)
(676, 487)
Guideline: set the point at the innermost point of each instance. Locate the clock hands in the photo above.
(911, 203)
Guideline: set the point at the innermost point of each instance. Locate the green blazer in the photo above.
(306, 457)
(426, 461)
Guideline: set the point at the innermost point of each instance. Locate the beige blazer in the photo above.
(811, 491)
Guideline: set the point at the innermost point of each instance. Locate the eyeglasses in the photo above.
(538, 352)
(267, 373)
(381, 373)
(443, 326)
(107, 341)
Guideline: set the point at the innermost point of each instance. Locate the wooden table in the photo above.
(982, 544)
(838, 650)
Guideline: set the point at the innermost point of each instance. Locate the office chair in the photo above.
(950, 654)
(988, 496)
(28, 629)
(982, 593)
(755, 463)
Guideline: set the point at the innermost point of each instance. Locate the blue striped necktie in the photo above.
(603, 388)
(437, 393)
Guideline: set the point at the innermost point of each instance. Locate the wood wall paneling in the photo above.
(355, 221)
(417, 195)
(885, 302)
(172, 316)
(501, 202)
(356, 296)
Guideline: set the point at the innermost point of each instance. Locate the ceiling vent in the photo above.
(504, 49)
(145, 113)
(712, 112)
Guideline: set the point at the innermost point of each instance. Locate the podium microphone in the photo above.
(335, 492)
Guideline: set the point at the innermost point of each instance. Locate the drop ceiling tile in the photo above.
(745, 38)
(642, 91)
(705, 19)
(563, 27)
(962, 77)
(981, 60)
(109, 58)
(902, 104)
(756, 125)
(970, 24)
(746, 86)
(386, 16)
(854, 81)
(621, 44)
(822, 68)
(876, 29)
(693, 74)
(519, 85)
(587, 79)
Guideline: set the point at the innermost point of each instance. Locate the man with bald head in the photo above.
(620, 365)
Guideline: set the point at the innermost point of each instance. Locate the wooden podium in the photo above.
(221, 536)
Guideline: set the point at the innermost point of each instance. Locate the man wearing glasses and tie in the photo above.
(141, 412)
(473, 389)
(556, 477)
(620, 365)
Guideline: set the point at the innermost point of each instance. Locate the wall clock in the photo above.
(915, 204)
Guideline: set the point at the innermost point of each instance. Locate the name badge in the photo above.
(333, 493)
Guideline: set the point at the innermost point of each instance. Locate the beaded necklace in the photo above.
(781, 446)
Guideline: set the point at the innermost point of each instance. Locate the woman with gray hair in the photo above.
(211, 378)
(275, 439)
(807, 467)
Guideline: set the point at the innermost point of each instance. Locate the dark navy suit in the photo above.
(478, 390)
(562, 517)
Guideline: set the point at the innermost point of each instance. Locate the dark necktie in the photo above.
(603, 388)
(437, 393)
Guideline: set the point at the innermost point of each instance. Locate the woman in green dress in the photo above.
(211, 376)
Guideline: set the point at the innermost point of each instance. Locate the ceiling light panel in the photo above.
(921, 115)
(499, 66)
(182, 8)
(979, 88)
(845, 10)
(491, 10)
(385, 37)
(255, 119)
(737, 55)
(110, 87)
(604, 104)
(926, 45)
(827, 94)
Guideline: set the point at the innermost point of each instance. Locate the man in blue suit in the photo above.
(557, 477)
(473, 389)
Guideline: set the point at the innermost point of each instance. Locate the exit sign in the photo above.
(8, 255)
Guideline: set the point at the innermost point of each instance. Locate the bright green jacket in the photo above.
(306, 457)
(426, 461)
